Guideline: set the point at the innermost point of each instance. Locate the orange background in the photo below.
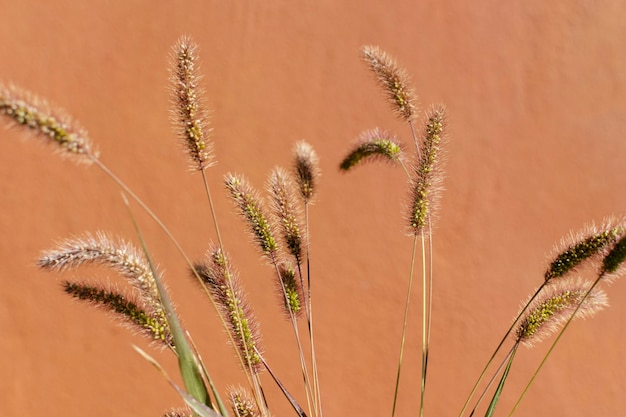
(536, 93)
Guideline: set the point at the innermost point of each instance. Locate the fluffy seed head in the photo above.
(285, 211)
(189, 114)
(23, 109)
(242, 404)
(290, 290)
(587, 244)
(250, 206)
(152, 325)
(224, 286)
(371, 145)
(554, 306)
(428, 173)
(307, 171)
(393, 79)
(101, 249)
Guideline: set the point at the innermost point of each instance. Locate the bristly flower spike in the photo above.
(553, 308)
(24, 109)
(290, 291)
(428, 175)
(394, 80)
(285, 211)
(241, 403)
(371, 145)
(189, 114)
(250, 207)
(307, 171)
(147, 324)
(591, 242)
(100, 249)
(613, 262)
(224, 286)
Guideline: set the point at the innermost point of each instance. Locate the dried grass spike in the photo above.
(242, 404)
(428, 173)
(285, 211)
(189, 114)
(24, 109)
(250, 206)
(393, 79)
(589, 243)
(290, 291)
(554, 306)
(373, 144)
(148, 324)
(119, 255)
(230, 298)
(307, 172)
(613, 262)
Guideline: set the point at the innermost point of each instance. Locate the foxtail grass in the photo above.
(282, 235)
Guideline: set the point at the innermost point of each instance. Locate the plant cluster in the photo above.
(280, 232)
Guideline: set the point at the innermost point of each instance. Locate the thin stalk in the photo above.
(493, 356)
(404, 325)
(545, 358)
(308, 302)
(496, 395)
(425, 320)
(294, 324)
(493, 378)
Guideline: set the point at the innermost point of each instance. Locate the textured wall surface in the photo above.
(536, 97)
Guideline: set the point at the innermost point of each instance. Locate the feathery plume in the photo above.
(554, 306)
(229, 296)
(24, 109)
(242, 404)
(393, 79)
(373, 144)
(189, 115)
(147, 324)
(121, 256)
(306, 168)
(589, 243)
(284, 209)
(289, 290)
(428, 173)
(250, 207)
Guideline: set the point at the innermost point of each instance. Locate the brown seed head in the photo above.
(250, 206)
(589, 244)
(393, 79)
(224, 286)
(132, 311)
(190, 116)
(285, 211)
(24, 109)
(306, 169)
(428, 173)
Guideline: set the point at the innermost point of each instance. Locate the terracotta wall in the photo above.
(536, 93)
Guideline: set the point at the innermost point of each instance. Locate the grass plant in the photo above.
(280, 231)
